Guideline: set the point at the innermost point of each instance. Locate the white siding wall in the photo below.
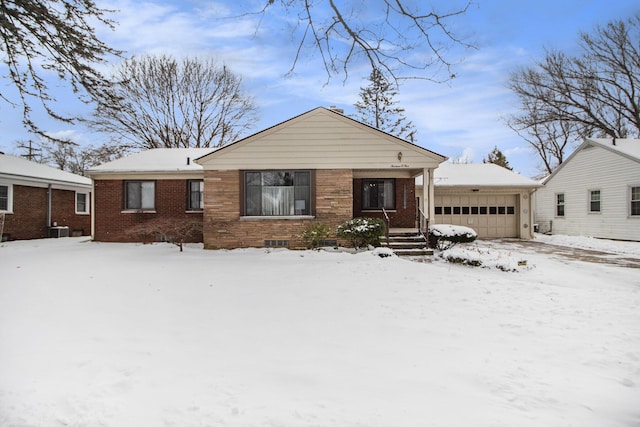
(321, 140)
(592, 168)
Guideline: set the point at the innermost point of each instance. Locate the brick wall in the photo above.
(112, 224)
(401, 217)
(29, 218)
(225, 229)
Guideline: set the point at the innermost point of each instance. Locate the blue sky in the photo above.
(462, 118)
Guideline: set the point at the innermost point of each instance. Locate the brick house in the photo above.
(144, 187)
(39, 201)
(263, 190)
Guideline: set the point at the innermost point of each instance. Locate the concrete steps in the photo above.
(407, 243)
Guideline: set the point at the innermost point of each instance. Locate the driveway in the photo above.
(567, 252)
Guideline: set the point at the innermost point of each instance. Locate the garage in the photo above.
(490, 215)
(492, 200)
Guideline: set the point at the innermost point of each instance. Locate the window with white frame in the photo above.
(277, 193)
(635, 201)
(560, 204)
(195, 189)
(140, 195)
(6, 198)
(594, 201)
(378, 194)
(82, 203)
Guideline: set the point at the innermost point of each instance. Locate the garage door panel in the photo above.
(490, 215)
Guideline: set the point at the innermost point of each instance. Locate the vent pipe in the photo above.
(188, 161)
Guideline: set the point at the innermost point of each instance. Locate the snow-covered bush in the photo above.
(362, 232)
(314, 234)
(383, 252)
(485, 257)
(446, 236)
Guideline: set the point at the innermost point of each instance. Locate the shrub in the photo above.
(314, 234)
(446, 236)
(362, 232)
(167, 230)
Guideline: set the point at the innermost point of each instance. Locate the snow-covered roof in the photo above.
(18, 169)
(627, 147)
(156, 160)
(479, 175)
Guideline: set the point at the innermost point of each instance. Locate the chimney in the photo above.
(336, 109)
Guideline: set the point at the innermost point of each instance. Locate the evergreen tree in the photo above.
(377, 108)
(496, 157)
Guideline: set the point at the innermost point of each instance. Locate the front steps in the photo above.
(407, 243)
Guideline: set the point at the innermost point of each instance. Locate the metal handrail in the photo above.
(387, 222)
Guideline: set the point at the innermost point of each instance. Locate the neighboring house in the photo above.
(39, 201)
(595, 192)
(488, 198)
(264, 190)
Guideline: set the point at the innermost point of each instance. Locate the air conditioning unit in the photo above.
(57, 232)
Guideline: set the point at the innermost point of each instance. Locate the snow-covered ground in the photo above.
(97, 334)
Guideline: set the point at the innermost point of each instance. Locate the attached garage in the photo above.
(490, 215)
(490, 199)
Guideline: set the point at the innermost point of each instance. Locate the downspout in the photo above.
(49, 196)
(92, 209)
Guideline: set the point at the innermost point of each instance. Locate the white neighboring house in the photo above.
(494, 201)
(595, 192)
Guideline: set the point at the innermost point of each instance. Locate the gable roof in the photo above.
(479, 175)
(321, 138)
(162, 160)
(18, 169)
(626, 147)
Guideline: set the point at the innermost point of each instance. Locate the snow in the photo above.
(451, 230)
(12, 167)
(156, 160)
(105, 334)
(480, 175)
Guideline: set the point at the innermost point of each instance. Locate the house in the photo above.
(264, 190)
(494, 201)
(38, 201)
(595, 192)
(164, 183)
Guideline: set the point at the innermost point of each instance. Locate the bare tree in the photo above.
(377, 108)
(551, 140)
(596, 93)
(40, 37)
(68, 155)
(165, 102)
(404, 40)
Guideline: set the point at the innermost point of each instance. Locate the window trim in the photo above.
(9, 209)
(631, 200)
(557, 204)
(87, 203)
(243, 195)
(189, 207)
(125, 201)
(377, 209)
(590, 201)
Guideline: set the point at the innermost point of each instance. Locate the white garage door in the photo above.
(489, 215)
